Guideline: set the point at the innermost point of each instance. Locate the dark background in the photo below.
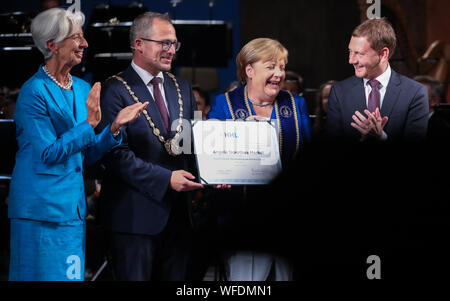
(316, 33)
(335, 205)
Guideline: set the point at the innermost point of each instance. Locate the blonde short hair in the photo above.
(256, 50)
(54, 24)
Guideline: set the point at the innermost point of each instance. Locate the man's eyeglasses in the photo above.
(166, 45)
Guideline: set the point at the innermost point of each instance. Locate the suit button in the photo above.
(78, 169)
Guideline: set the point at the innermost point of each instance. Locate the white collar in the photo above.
(383, 78)
(145, 75)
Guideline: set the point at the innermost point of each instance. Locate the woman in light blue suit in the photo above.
(55, 116)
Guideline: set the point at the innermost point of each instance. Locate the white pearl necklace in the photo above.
(68, 86)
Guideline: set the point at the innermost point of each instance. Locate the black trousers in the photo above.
(165, 256)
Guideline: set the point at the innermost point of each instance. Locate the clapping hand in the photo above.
(93, 106)
(372, 125)
(377, 122)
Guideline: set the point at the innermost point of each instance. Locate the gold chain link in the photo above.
(171, 145)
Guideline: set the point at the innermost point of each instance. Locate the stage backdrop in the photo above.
(225, 10)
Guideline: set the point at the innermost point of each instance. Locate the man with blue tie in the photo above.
(376, 103)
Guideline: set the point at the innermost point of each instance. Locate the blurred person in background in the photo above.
(202, 99)
(321, 107)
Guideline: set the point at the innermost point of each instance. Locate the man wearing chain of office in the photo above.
(145, 191)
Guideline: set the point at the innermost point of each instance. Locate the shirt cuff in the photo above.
(384, 136)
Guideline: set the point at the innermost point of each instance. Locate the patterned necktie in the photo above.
(160, 101)
(374, 96)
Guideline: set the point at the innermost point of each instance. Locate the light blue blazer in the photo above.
(54, 142)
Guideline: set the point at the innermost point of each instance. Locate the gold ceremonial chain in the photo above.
(172, 145)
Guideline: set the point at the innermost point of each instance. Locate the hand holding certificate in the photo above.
(236, 152)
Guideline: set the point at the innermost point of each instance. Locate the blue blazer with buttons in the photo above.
(54, 142)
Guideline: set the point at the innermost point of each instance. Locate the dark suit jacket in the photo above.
(136, 196)
(405, 103)
(439, 127)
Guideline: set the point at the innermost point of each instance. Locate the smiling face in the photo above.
(150, 55)
(367, 62)
(70, 50)
(264, 78)
(199, 100)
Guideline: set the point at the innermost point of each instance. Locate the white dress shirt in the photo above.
(384, 81)
(146, 78)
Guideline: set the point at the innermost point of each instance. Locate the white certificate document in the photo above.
(236, 152)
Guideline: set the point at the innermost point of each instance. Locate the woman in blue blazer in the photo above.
(55, 116)
(261, 66)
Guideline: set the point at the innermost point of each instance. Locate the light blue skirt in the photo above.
(45, 251)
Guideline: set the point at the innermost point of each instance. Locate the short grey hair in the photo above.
(54, 24)
(143, 23)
